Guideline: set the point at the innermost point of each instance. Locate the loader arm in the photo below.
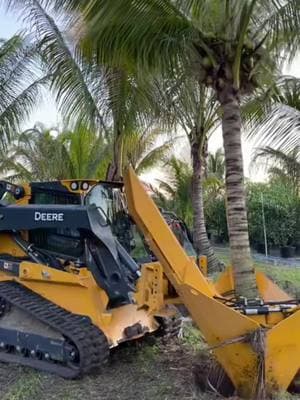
(225, 328)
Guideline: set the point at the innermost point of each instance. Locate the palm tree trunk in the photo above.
(114, 172)
(200, 238)
(243, 269)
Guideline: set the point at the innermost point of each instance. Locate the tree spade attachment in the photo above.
(256, 342)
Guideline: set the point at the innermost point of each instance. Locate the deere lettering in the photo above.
(40, 216)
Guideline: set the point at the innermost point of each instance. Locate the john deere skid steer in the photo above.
(69, 291)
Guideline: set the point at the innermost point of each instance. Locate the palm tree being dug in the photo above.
(227, 45)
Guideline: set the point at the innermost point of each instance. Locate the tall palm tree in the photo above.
(230, 46)
(214, 176)
(20, 83)
(193, 107)
(87, 153)
(131, 108)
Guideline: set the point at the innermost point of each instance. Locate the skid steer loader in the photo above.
(69, 291)
(70, 311)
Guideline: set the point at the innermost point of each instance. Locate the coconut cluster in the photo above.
(214, 64)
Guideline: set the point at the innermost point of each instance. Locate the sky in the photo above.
(47, 114)
(46, 111)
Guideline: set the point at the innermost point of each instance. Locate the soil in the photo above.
(141, 372)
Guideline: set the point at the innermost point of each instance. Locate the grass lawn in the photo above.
(288, 278)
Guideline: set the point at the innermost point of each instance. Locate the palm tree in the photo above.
(147, 149)
(87, 153)
(43, 154)
(28, 158)
(20, 83)
(193, 107)
(175, 192)
(285, 166)
(227, 45)
(216, 165)
(48, 154)
(109, 100)
(131, 108)
(214, 176)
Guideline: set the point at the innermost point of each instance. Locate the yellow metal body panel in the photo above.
(227, 330)
(79, 294)
(203, 264)
(268, 290)
(66, 182)
(162, 241)
(220, 326)
(225, 284)
(282, 353)
(8, 246)
(27, 195)
(151, 287)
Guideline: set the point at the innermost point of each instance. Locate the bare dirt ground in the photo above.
(134, 372)
(159, 372)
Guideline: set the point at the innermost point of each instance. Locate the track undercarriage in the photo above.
(37, 333)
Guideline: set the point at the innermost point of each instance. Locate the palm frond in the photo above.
(282, 165)
(282, 23)
(20, 83)
(20, 107)
(155, 156)
(125, 25)
(64, 63)
(273, 116)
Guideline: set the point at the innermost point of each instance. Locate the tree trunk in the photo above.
(114, 172)
(200, 238)
(118, 156)
(244, 273)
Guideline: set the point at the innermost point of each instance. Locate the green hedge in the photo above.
(281, 209)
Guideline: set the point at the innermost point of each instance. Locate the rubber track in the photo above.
(89, 340)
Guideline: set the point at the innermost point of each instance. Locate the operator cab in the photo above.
(110, 201)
